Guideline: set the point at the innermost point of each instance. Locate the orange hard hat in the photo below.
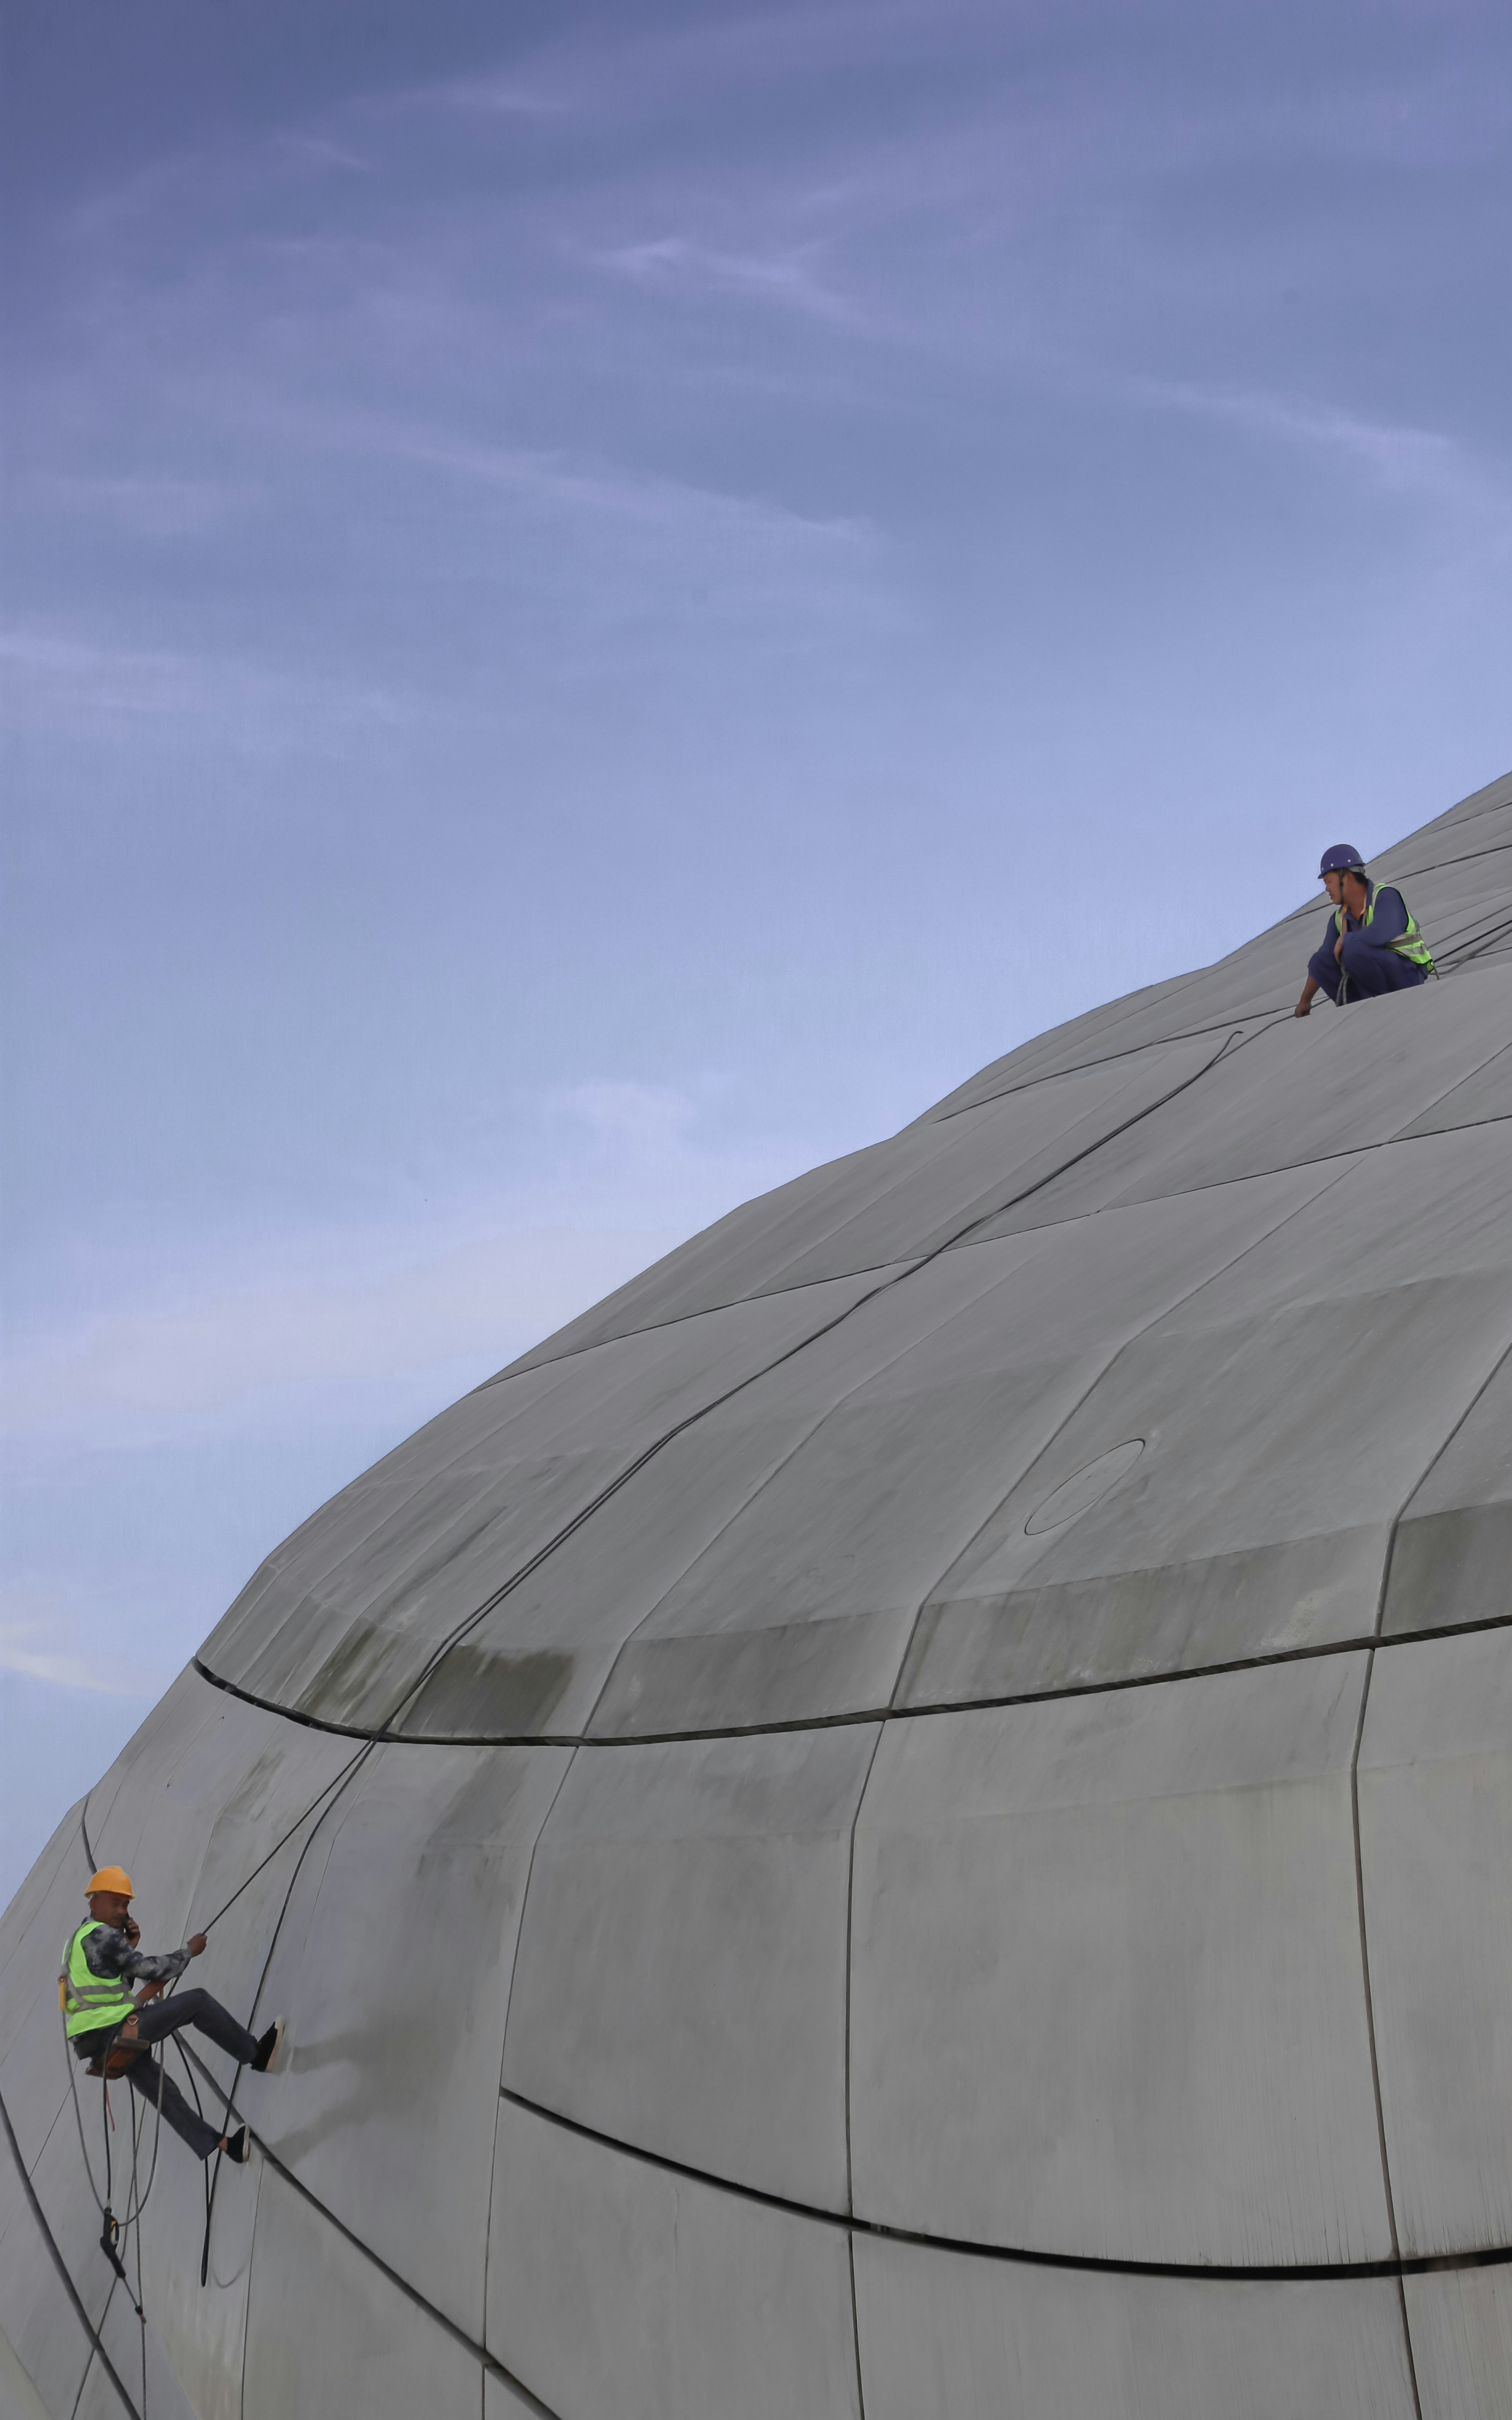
(110, 1878)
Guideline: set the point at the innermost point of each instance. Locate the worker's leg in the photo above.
(1373, 971)
(147, 2077)
(1323, 966)
(198, 2008)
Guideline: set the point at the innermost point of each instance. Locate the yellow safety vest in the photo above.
(90, 2001)
(1410, 944)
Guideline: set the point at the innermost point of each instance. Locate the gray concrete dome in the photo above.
(937, 1781)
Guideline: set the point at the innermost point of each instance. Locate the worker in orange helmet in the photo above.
(104, 2021)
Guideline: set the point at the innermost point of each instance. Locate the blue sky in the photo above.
(598, 604)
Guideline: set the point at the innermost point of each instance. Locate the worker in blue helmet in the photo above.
(1371, 943)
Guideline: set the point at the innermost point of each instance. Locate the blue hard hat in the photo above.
(1339, 861)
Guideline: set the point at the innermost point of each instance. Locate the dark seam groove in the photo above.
(1132, 1338)
(866, 1713)
(1052, 1074)
(1466, 955)
(509, 1995)
(1300, 2273)
(772, 1476)
(61, 2266)
(569, 1529)
(1434, 1459)
(1407, 2340)
(910, 1262)
(856, 2327)
(1364, 1948)
(1190, 1032)
(1281, 1167)
(850, 1922)
(459, 2335)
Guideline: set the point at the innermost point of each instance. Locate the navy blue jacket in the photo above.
(1388, 923)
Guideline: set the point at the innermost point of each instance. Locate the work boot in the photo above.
(269, 2046)
(239, 2147)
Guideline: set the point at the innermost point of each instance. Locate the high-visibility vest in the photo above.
(1410, 944)
(90, 2000)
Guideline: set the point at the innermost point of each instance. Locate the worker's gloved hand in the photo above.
(195, 1945)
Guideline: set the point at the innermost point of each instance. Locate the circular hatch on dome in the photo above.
(1085, 1488)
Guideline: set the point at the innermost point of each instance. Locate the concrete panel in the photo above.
(728, 1261)
(681, 1979)
(899, 1200)
(1293, 1094)
(574, 1611)
(618, 2290)
(32, 2076)
(331, 2333)
(1106, 1995)
(393, 1969)
(1452, 1562)
(343, 1621)
(201, 2329)
(18, 2398)
(1436, 1847)
(1461, 2324)
(1492, 952)
(1287, 1409)
(805, 1601)
(35, 2311)
(1089, 1040)
(137, 2355)
(986, 1156)
(1495, 799)
(502, 2402)
(952, 2336)
(1485, 1095)
(1434, 848)
(272, 1805)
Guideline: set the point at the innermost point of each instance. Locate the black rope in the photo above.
(335, 1783)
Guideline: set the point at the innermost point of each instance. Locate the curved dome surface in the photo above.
(910, 1817)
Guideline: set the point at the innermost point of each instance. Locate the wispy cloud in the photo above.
(787, 279)
(147, 503)
(47, 1638)
(147, 1373)
(321, 1311)
(1399, 458)
(65, 682)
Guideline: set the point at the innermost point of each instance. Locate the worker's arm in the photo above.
(109, 1955)
(1309, 993)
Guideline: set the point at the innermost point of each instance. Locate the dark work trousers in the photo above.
(1371, 970)
(158, 2019)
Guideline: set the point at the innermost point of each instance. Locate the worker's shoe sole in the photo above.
(269, 2047)
(239, 2147)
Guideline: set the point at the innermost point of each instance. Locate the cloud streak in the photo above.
(1404, 461)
